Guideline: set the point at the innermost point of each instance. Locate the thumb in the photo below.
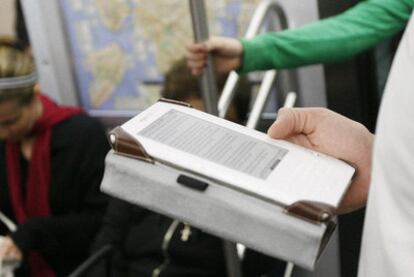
(291, 122)
(282, 128)
(212, 44)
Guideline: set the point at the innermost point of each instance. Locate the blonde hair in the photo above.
(15, 62)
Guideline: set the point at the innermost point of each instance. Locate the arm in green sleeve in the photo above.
(329, 40)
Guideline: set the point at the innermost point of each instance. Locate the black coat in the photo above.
(78, 149)
(139, 235)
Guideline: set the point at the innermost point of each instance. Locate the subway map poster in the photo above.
(122, 48)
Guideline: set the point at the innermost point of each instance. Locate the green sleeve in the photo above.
(329, 40)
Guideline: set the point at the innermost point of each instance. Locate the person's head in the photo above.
(18, 105)
(181, 85)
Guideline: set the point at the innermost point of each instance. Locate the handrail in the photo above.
(261, 13)
(208, 80)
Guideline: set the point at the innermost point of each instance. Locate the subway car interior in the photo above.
(81, 195)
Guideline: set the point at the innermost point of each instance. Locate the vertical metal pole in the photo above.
(232, 259)
(208, 81)
(210, 98)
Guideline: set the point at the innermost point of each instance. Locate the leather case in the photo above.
(297, 233)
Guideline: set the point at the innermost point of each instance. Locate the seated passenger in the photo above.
(51, 165)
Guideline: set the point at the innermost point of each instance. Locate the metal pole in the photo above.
(265, 8)
(210, 97)
(261, 99)
(232, 259)
(208, 81)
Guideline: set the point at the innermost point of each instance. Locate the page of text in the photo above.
(215, 143)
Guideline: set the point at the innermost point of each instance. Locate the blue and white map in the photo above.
(121, 48)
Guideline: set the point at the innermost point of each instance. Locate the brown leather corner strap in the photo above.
(311, 210)
(124, 144)
(172, 101)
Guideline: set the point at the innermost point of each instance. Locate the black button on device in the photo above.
(192, 183)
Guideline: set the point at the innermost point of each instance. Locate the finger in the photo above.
(213, 43)
(4, 248)
(222, 44)
(196, 56)
(9, 254)
(197, 72)
(196, 64)
(284, 126)
(196, 48)
(293, 121)
(301, 140)
(11, 251)
(18, 255)
(13, 254)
